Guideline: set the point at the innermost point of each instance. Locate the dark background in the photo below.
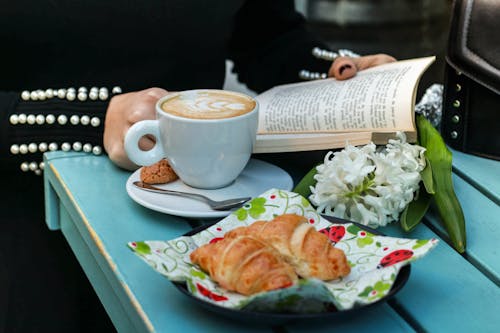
(401, 28)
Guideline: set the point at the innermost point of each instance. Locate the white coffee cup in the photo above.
(207, 135)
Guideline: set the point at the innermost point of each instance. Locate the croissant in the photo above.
(307, 250)
(244, 264)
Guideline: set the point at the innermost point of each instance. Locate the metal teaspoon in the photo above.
(215, 205)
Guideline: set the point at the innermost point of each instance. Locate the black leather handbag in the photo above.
(471, 100)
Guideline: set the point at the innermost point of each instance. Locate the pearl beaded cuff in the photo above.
(330, 55)
(70, 94)
(58, 119)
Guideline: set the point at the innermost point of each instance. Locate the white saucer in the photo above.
(257, 177)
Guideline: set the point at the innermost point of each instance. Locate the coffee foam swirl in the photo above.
(208, 104)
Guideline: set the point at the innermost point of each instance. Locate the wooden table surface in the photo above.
(86, 200)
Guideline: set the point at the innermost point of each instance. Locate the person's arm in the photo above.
(91, 120)
(33, 122)
(271, 45)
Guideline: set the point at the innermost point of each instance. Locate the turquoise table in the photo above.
(446, 292)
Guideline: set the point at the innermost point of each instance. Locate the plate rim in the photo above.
(209, 214)
(399, 282)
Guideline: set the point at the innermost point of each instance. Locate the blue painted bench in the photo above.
(447, 292)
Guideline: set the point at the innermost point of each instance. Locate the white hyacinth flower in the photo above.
(367, 185)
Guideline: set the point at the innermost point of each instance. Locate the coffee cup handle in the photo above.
(134, 134)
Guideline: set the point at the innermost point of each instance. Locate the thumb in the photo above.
(346, 67)
(343, 68)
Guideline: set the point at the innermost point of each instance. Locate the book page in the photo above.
(279, 143)
(378, 99)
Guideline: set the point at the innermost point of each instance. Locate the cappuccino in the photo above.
(208, 104)
(206, 135)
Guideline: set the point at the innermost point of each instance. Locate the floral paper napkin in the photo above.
(375, 260)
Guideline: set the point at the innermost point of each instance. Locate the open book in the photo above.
(328, 114)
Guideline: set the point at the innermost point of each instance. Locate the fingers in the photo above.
(155, 93)
(146, 142)
(142, 112)
(346, 67)
(124, 110)
(116, 153)
(143, 104)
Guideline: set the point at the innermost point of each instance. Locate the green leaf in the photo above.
(191, 286)
(354, 229)
(199, 274)
(415, 211)
(257, 207)
(305, 202)
(303, 187)
(426, 175)
(380, 286)
(364, 241)
(241, 214)
(420, 243)
(366, 291)
(142, 248)
(440, 158)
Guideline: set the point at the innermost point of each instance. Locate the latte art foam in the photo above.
(208, 104)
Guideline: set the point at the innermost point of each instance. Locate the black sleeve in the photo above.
(33, 122)
(271, 44)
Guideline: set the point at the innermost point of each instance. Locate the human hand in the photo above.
(123, 111)
(344, 68)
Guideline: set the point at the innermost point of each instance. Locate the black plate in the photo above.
(279, 318)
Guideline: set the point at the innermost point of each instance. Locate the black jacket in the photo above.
(175, 45)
